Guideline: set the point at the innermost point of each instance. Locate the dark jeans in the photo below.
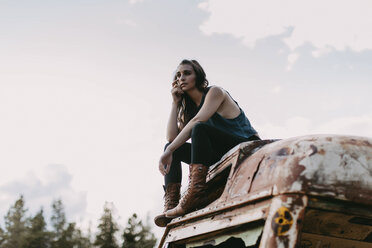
(208, 145)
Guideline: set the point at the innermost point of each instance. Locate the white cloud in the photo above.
(292, 58)
(276, 90)
(135, 1)
(40, 189)
(327, 25)
(128, 22)
(353, 125)
(298, 126)
(295, 126)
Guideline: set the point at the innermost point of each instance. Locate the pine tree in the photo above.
(37, 236)
(58, 221)
(107, 228)
(2, 236)
(58, 218)
(80, 240)
(15, 225)
(66, 235)
(22, 232)
(138, 235)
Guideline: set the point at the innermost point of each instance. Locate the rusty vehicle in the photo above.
(309, 191)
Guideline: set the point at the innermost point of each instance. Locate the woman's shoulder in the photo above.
(215, 90)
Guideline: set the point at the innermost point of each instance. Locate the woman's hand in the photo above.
(165, 162)
(176, 92)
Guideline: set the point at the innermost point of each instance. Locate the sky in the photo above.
(85, 87)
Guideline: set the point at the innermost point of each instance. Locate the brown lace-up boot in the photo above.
(171, 199)
(195, 195)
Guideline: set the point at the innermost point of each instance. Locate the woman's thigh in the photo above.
(209, 144)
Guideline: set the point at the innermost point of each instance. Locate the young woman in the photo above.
(214, 122)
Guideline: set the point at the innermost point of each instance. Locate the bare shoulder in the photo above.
(216, 91)
(228, 108)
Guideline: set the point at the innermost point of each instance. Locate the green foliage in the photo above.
(107, 229)
(31, 232)
(138, 235)
(65, 235)
(2, 236)
(21, 231)
(15, 225)
(37, 236)
(81, 241)
(58, 218)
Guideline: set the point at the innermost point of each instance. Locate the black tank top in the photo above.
(239, 126)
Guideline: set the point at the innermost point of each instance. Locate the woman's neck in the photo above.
(195, 95)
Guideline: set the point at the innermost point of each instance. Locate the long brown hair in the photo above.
(187, 109)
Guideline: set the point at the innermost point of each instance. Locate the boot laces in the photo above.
(194, 182)
(171, 197)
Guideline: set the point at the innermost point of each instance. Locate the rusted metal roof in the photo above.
(328, 166)
(336, 166)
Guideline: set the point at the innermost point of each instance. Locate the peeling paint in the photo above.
(326, 168)
(281, 175)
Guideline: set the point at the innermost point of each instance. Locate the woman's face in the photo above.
(186, 77)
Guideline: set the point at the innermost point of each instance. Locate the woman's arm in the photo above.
(213, 101)
(172, 127)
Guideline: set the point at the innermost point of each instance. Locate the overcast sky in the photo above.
(85, 87)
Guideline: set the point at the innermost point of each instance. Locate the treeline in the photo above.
(23, 231)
